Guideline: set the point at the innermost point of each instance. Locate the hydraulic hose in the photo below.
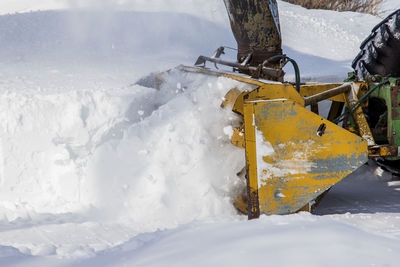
(358, 104)
(295, 67)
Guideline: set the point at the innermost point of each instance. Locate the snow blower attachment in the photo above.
(294, 155)
(255, 25)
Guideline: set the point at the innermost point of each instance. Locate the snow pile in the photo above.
(387, 7)
(46, 142)
(212, 10)
(15, 6)
(298, 240)
(174, 164)
(83, 147)
(311, 37)
(137, 148)
(90, 160)
(148, 159)
(104, 39)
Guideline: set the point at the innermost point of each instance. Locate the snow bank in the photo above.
(148, 159)
(89, 160)
(81, 145)
(118, 38)
(323, 38)
(141, 148)
(212, 10)
(176, 163)
(268, 241)
(387, 7)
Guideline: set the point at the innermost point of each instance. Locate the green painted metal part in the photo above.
(383, 111)
(390, 118)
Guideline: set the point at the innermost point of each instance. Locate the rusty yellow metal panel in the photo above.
(275, 91)
(313, 89)
(238, 137)
(237, 77)
(238, 106)
(251, 162)
(230, 98)
(294, 155)
(359, 116)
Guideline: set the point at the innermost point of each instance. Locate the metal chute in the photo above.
(255, 25)
(294, 155)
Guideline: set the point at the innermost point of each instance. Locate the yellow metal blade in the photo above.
(294, 155)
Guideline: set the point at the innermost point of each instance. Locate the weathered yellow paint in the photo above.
(383, 151)
(293, 155)
(241, 204)
(238, 106)
(289, 163)
(268, 91)
(313, 89)
(358, 115)
(275, 91)
(238, 138)
(230, 98)
(251, 162)
(237, 77)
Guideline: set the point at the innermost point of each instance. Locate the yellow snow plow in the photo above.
(293, 154)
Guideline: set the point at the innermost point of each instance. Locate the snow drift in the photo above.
(89, 159)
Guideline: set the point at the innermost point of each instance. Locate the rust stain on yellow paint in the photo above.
(294, 155)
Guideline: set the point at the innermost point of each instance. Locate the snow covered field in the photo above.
(96, 170)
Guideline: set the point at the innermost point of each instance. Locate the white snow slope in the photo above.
(96, 170)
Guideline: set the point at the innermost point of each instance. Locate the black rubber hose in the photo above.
(295, 66)
(358, 104)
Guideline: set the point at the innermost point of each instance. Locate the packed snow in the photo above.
(96, 170)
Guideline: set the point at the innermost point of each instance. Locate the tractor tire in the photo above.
(380, 52)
